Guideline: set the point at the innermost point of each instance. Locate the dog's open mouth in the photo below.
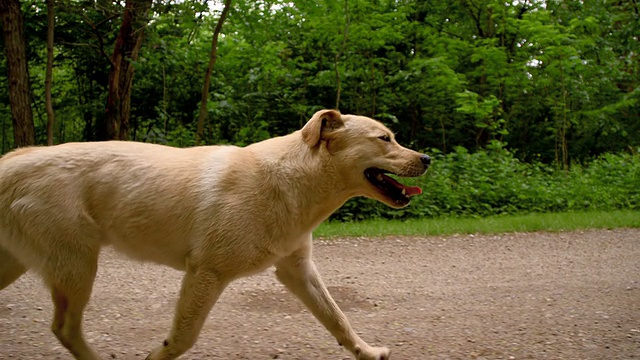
(390, 187)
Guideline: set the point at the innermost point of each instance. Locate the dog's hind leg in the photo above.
(10, 268)
(200, 289)
(298, 273)
(71, 280)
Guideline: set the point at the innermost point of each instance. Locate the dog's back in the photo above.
(83, 195)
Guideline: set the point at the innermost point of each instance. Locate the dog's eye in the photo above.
(386, 138)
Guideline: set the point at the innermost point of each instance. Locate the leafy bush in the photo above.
(494, 181)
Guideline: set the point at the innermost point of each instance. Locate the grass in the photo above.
(488, 225)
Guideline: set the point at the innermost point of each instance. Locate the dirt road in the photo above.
(513, 296)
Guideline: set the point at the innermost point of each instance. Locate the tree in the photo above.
(19, 90)
(125, 53)
(345, 37)
(554, 81)
(49, 75)
(207, 77)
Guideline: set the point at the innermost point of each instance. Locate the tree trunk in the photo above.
(49, 73)
(207, 77)
(125, 52)
(345, 35)
(19, 90)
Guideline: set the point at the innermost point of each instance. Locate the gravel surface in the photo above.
(513, 296)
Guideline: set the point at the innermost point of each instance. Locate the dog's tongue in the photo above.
(408, 190)
(412, 190)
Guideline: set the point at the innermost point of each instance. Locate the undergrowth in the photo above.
(495, 182)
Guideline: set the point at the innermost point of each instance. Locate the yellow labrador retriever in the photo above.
(216, 212)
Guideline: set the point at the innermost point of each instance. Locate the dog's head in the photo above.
(364, 151)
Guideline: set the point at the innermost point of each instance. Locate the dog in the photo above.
(217, 213)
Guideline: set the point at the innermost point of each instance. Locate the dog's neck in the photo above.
(303, 178)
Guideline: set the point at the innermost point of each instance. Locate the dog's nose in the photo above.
(426, 160)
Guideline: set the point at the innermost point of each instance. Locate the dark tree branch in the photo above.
(18, 75)
(207, 78)
(345, 36)
(98, 35)
(49, 71)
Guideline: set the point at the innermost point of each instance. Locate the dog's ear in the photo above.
(321, 124)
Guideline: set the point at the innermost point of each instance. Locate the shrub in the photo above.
(494, 181)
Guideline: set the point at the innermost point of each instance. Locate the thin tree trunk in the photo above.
(85, 93)
(49, 73)
(345, 35)
(165, 101)
(372, 78)
(4, 136)
(19, 90)
(563, 132)
(207, 77)
(126, 50)
(444, 134)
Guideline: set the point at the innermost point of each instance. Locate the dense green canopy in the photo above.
(554, 80)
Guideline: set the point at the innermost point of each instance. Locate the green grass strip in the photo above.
(566, 221)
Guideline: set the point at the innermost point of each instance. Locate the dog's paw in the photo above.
(161, 353)
(373, 353)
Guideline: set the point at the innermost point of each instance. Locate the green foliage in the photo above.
(556, 81)
(485, 112)
(495, 182)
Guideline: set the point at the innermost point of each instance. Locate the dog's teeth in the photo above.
(404, 192)
(379, 177)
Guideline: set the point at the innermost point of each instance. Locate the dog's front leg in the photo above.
(298, 273)
(200, 289)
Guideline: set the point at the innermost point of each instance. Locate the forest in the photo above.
(529, 89)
